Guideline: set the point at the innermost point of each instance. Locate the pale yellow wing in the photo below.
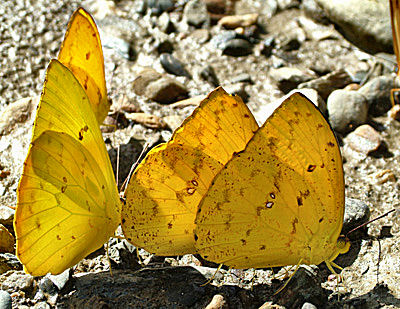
(279, 201)
(81, 52)
(6, 240)
(164, 192)
(68, 204)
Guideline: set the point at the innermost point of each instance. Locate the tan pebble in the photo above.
(352, 86)
(365, 139)
(150, 121)
(383, 176)
(17, 112)
(195, 101)
(271, 305)
(218, 302)
(394, 112)
(235, 21)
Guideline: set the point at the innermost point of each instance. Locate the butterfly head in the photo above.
(342, 244)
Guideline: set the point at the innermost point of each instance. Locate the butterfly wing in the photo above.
(395, 20)
(68, 203)
(164, 192)
(279, 201)
(81, 52)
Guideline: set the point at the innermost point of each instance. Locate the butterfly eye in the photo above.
(343, 244)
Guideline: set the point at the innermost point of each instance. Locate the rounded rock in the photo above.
(5, 300)
(347, 110)
(377, 93)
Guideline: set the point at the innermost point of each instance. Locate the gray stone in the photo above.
(328, 83)
(237, 47)
(5, 300)
(314, 11)
(347, 110)
(222, 38)
(165, 24)
(377, 93)
(61, 280)
(208, 74)
(356, 213)
(17, 112)
(308, 306)
(173, 66)
(6, 215)
(289, 78)
(157, 7)
(363, 22)
(288, 4)
(166, 90)
(195, 13)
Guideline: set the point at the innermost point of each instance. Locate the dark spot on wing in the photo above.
(311, 168)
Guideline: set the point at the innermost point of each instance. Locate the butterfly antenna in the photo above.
(117, 172)
(213, 276)
(133, 167)
(290, 278)
(368, 222)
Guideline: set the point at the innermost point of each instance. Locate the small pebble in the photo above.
(173, 121)
(201, 36)
(208, 74)
(5, 300)
(157, 7)
(377, 93)
(267, 46)
(237, 89)
(327, 83)
(195, 13)
(237, 47)
(242, 78)
(222, 38)
(364, 140)
(382, 177)
(159, 88)
(235, 21)
(356, 213)
(347, 110)
(394, 112)
(61, 280)
(166, 90)
(165, 24)
(308, 306)
(173, 66)
(147, 120)
(217, 302)
(17, 112)
(289, 78)
(6, 215)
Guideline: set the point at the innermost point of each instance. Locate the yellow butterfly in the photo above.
(280, 201)
(81, 52)
(268, 196)
(164, 193)
(67, 200)
(395, 20)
